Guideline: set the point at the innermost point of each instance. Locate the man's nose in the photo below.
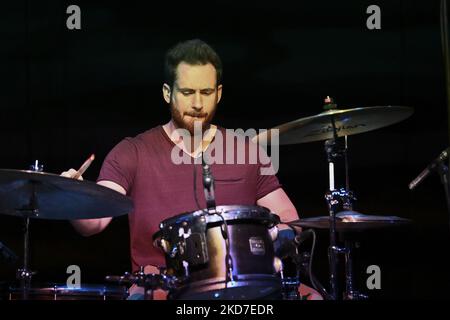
(197, 104)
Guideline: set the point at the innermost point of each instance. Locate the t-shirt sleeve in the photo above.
(120, 165)
(267, 180)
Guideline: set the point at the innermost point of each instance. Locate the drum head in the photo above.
(231, 213)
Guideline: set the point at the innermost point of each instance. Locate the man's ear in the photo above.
(166, 92)
(219, 92)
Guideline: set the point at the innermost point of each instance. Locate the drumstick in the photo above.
(84, 167)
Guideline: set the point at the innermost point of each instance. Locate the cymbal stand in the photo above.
(350, 293)
(335, 199)
(332, 197)
(24, 274)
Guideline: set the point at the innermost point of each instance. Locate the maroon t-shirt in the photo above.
(161, 189)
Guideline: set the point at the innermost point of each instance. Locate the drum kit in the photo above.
(221, 252)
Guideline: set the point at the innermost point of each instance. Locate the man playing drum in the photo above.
(143, 167)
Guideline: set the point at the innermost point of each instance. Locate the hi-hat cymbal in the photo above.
(347, 122)
(56, 197)
(352, 221)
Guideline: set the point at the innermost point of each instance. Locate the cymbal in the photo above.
(347, 121)
(352, 221)
(57, 197)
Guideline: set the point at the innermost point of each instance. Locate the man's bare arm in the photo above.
(89, 227)
(279, 203)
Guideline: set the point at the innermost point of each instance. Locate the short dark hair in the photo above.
(193, 52)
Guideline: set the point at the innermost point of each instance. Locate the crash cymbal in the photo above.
(352, 221)
(56, 197)
(347, 122)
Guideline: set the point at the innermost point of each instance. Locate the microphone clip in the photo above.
(208, 185)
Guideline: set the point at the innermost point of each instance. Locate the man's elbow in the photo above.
(289, 214)
(88, 233)
(88, 228)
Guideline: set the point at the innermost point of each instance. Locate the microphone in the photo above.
(442, 157)
(208, 184)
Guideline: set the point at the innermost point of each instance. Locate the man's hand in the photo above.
(70, 174)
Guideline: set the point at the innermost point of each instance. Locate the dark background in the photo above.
(68, 93)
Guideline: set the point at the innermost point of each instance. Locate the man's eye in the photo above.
(186, 93)
(208, 92)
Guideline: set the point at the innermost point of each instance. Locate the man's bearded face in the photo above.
(194, 96)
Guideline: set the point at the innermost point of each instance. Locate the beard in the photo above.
(187, 121)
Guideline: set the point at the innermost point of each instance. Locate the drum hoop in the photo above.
(214, 284)
(230, 213)
(87, 290)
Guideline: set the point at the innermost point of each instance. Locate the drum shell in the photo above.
(246, 260)
(251, 249)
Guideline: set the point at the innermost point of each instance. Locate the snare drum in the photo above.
(58, 292)
(195, 251)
